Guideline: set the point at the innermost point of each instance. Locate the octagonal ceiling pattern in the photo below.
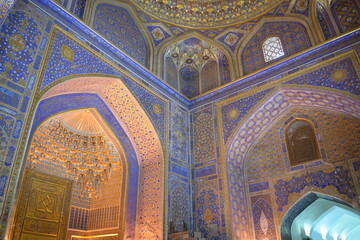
(205, 13)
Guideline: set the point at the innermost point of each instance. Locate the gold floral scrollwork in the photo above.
(17, 42)
(157, 109)
(339, 75)
(67, 53)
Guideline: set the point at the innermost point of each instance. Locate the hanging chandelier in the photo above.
(87, 158)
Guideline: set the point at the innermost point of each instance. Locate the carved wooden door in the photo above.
(42, 208)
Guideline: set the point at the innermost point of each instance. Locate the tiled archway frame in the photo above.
(256, 123)
(59, 104)
(141, 132)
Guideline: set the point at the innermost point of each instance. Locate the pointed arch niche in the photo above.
(301, 142)
(132, 131)
(69, 145)
(250, 130)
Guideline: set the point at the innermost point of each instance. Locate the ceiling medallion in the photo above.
(205, 13)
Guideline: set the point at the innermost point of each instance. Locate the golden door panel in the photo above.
(43, 207)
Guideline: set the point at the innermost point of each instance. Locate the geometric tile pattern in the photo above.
(154, 106)
(346, 13)
(179, 209)
(117, 25)
(255, 124)
(293, 36)
(208, 213)
(324, 21)
(66, 57)
(178, 133)
(19, 40)
(340, 75)
(5, 8)
(263, 217)
(203, 135)
(233, 112)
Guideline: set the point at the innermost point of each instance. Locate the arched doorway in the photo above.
(320, 217)
(78, 146)
(134, 131)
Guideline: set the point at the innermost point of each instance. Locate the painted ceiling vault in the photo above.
(205, 13)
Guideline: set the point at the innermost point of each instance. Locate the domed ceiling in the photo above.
(205, 13)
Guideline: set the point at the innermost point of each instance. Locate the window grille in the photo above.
(272, 49)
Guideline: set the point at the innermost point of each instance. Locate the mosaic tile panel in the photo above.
(6, 127)
(339, 142)
(263, 217)
(340, 75)
(117, 25)
(208, 213)
(224, 69)
(203, 137)
(67, 57)
(340, 179)
(346, 13)
(153, 106)
(324, 21)
(234, 112)
(178, 133)
(9, 97)
(231, 39)
(293, 35)
(209, 76)
(179, 210)
(255, 187)
(265, 159)
(158, 34)
(5, 8)
(205, 171)
(19, 40)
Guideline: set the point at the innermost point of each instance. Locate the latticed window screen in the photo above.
(272, 49)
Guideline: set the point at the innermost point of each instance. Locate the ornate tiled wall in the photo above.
(293, 35)
(206, 175)
(346, 14)
(25, 48)
(338, 74)
(22, 41)
(203, 136)
(324, 21)
(179, 185)
(206, 146)
(263, 217)
(268, 160)
(117, 26)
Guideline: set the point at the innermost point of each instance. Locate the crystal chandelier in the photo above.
(88, 159)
